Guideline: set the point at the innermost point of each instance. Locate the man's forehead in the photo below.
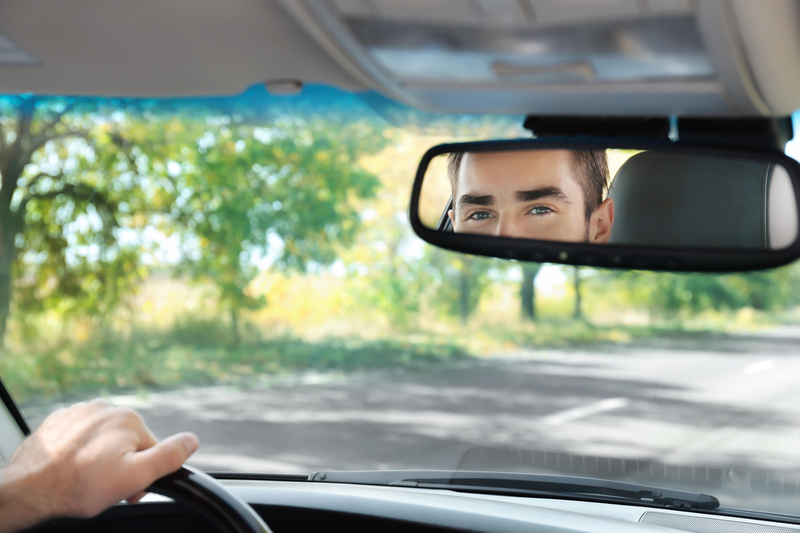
(505, 173)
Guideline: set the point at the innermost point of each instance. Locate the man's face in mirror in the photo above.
(532, 194)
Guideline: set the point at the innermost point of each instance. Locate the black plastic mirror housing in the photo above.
(715, 255)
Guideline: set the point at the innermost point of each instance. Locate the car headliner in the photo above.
(203, 47)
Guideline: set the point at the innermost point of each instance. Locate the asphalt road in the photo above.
(695, 400)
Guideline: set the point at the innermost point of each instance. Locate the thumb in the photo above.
(164, 457)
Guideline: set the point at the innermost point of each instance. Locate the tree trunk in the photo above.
(13, 160)
(236, 336)
(6, 259)
(578, 314)
(528, 290)
(10, 225)
(463, 291)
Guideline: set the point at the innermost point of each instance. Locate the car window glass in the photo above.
(243, 267)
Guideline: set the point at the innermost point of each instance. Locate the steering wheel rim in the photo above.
(208, 497)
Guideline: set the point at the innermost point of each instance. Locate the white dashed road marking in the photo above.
(759, 367)
(576, 413)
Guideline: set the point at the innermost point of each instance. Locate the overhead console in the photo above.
(655, 57)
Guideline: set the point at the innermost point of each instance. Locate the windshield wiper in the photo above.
(514, 484)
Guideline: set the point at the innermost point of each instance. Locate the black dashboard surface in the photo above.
(171, 517)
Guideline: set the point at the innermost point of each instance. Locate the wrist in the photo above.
(21, 504)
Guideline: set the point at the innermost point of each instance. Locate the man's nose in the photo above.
(507, 227)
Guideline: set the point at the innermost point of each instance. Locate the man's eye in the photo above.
(540, 210)
(480, 215)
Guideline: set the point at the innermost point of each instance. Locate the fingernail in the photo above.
(191, 442)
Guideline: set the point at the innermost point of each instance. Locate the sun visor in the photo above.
(540, 56)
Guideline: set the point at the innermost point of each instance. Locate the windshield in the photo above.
(243, 268)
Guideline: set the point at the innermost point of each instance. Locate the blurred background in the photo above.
(154, 244)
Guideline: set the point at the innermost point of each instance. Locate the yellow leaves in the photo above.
(175, 126)
(617, 157)
(290, 308)
(619, 336)
(242, 369)
(139, 220)
(66, 357)
(323, 156)
(147, 307)
(395, 167)
(436, 191)
(83, 331)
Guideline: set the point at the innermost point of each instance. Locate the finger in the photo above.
(130, 420)
(58, 413)
(136, 498)
(100, 403)
(95, 406)
(164, 458)
(146, 439)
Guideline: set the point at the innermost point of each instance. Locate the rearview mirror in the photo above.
(620, 206)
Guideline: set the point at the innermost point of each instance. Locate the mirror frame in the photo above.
(637, 257)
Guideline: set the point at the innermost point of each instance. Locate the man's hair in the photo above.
(590, 169)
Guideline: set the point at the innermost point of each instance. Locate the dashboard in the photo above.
(305, 506)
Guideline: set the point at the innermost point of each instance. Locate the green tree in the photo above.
(527, 292)
(388, 264)
(59, 213)
(458, 280)
(578, 311)
(242, 194)
(670, 294)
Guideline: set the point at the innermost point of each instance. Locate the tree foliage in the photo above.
(60, 210)
(669, 294)
(88, 194)
(96, 191)
(237, 196)
(457, 281)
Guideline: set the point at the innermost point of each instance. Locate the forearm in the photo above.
(20, 506)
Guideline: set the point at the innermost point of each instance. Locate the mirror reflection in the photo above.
(631, 197)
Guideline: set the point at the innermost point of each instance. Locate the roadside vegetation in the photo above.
(178, 246)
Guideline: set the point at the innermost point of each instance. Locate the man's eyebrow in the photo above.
(542, 192)
(472, 199)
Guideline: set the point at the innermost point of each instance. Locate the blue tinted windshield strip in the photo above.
(256, 104)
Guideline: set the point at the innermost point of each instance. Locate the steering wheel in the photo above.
(205, 495)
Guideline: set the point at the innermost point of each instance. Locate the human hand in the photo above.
(82, 460)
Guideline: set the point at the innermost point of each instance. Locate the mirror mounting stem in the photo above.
(765, 134)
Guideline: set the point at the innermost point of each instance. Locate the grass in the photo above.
(195, 355)
(485, 337)
(194, 350)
